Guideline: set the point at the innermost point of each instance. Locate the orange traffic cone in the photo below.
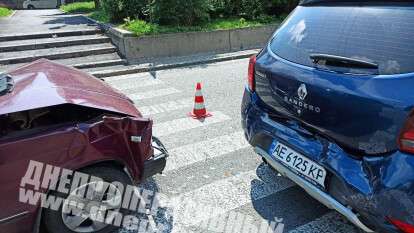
(199, 110)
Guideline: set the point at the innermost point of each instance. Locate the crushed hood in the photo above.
(44, 83)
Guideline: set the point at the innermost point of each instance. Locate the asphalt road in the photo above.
(211, 163)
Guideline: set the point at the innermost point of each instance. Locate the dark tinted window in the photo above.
(382, 35)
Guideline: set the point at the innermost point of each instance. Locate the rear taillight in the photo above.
(406, 139)
(250, 76)
(404, 227)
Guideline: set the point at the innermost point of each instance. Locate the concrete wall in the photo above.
(182, 44)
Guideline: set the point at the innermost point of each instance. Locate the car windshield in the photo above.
(373, 34)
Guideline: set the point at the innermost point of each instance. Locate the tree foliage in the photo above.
(179, 12)
(193, 12)
(118, 10)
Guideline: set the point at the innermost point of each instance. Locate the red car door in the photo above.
(15, 155)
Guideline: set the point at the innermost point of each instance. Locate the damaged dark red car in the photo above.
(63, 117)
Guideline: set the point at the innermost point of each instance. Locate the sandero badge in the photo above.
(334, 111)
(302, 92)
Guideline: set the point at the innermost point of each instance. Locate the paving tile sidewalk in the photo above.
(35, 21)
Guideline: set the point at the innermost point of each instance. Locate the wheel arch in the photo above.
(106, 163)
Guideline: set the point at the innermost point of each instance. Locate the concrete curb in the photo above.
(149, 67)
(12, 14)
(100, 64)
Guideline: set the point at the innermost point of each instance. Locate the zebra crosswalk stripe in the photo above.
(229, 194)
(204, 150)
(187, 123)
(138, 77)
(330, 222)
(131, 86)
(166, 107)
(153, 93)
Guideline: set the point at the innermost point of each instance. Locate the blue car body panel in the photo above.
(344, 116)
(368, 108)
(374, 186)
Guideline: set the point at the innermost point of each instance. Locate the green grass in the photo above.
(86, 8)
(100, 16)
(79, 7)
(139, 27)
(5, 12)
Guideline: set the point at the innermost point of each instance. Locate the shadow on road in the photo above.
(162, 217)
(292, 204)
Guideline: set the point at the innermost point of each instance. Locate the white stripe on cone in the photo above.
(199, 106)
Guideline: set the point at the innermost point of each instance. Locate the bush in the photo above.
(193, 12)
(100, 15)
(250, 9)
(78, 7)
(5, 12)
(281, 7)
(118, 10)
(221, 8)
(179, 12)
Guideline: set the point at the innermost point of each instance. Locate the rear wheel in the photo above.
(83, 220)
(30, 7)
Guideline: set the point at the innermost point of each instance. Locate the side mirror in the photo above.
(6, 84)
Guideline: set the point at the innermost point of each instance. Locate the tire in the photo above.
(53, 220)
(30, 7)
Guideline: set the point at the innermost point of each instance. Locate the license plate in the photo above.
(300, 164)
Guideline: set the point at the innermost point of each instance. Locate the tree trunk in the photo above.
(97, 4)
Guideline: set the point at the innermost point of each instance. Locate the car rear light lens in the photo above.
(404, 227)
(250, 77)
(406, 139)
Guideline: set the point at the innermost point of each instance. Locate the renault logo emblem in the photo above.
(302, 92)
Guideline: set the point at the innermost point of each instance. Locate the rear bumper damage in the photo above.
(312, 190)
(366, 190)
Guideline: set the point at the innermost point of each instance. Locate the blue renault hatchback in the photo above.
(329, 104)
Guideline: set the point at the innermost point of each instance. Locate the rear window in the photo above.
(379, 34)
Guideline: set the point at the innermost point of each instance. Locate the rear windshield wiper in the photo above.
(333, 60)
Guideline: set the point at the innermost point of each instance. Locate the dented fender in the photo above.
(126, 139)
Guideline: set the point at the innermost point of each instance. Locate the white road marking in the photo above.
(204, 150)
(130, 87)
(166, 107)
(187, 123)
(123, 78)
(153, 93)
(226, 195)
(330, 222)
